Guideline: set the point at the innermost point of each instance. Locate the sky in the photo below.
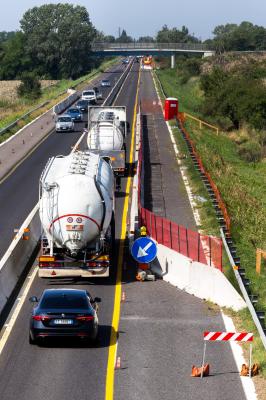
(142, 18)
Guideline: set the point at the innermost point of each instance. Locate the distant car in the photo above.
(89, 95)
(64, 313)
(125, 61)
(75, 114)
(99, 94)
(105, 83)
(83, 105)
(64, 123)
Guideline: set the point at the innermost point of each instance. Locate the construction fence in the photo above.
(202, 248)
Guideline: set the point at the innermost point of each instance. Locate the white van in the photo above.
(89, 94)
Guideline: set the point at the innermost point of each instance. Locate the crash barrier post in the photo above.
(202, 248)
(227, 337)
(259, 253)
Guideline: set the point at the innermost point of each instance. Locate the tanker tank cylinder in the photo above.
(80, 211)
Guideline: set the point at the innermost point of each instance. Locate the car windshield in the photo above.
(64, 300)
(105, 81)
(73, 111)
(64, 119)
(88, 93)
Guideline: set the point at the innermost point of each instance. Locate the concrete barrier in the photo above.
(63, 105)
(195, 278)
(13, 263)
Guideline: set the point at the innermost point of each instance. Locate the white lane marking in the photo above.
(16, 308)
(247, 383)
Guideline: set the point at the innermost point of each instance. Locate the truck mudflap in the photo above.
(117, 159)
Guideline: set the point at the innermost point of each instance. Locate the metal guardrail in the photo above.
(10, 126)
(151, 46)
(244, 292)
(14, 123)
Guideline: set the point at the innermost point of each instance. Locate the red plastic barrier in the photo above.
(202, 248)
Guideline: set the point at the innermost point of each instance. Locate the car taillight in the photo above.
(86, 318)
(40, 317)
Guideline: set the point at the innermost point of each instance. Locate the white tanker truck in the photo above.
(107, 131)
(77, 216)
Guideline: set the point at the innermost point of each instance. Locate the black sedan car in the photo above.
(83, 105)
(64, 313)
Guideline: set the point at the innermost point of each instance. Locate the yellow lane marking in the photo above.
(109, 388)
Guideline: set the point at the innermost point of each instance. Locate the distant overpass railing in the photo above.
(152, 46)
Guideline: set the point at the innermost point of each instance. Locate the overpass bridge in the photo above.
(155, 49)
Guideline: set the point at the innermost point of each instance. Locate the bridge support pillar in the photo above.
(172, 61)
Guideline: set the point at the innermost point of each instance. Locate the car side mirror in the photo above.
(33, 299)
(97, 300)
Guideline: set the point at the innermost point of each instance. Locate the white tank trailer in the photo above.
(107, 132)
(77, 216)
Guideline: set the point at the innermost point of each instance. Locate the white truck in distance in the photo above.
(107, 132)
(77, 216)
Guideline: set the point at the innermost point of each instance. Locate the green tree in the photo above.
(145, 39)
(166, 35)
(124, 38)
(59, 39)
(13, 59)
(243, 37)
(30, 86)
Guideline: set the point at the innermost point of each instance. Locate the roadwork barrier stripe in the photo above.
(228, 336)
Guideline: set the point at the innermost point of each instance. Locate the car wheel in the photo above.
(32, 340)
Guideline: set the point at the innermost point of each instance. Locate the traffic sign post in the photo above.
(144, 250)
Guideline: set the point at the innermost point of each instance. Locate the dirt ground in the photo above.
(8, 89)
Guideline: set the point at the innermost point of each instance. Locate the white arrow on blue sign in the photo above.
(144, 249)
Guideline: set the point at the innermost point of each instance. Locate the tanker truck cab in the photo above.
(78, 231)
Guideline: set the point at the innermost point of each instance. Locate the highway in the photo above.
(61, 370)
(19, 192)
(160, 331)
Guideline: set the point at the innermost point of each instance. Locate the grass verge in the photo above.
(243, 188)
(54, 94)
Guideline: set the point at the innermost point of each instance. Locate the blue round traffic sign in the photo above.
(144, 249)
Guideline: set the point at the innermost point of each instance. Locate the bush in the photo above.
(250, 151)
(29, 87)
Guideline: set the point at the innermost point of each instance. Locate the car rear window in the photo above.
(68, 301)
(64, 119)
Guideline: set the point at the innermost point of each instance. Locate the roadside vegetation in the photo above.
(236, 158)
(13, 107)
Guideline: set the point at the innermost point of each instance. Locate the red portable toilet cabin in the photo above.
(170, 108)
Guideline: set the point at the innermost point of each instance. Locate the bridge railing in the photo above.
(151, 46)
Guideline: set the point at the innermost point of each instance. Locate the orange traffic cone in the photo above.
(196, 371)
(118, 363)
(123, 298)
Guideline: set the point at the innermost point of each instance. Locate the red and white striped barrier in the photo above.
(228, 336)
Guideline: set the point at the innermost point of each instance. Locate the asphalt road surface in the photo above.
(62, 369)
